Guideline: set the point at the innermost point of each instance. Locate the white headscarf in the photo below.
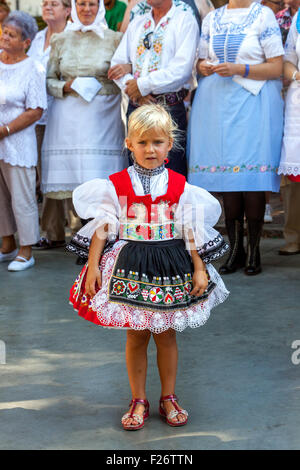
(98, 26)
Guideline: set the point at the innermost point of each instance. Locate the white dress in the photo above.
(22, 86)
(137, 299)
(290, 152)
(82, 140)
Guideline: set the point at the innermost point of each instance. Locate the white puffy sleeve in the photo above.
(96, 201)
(199, 211)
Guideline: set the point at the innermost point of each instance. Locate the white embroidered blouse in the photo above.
(242, 36)
(38, 53)
(162, 56)
(197, 209)
(22, 87)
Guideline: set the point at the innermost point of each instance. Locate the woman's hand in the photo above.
(118, 71)
(200, 283)
(67, 87)
(93, 276)
(228, 69)
(204, 68)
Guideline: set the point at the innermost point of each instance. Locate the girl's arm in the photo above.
(200, 281)
(93, 273)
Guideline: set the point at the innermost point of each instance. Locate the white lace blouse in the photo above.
(22, 87)
(197, 210)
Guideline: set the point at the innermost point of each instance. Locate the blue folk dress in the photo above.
(236, 124)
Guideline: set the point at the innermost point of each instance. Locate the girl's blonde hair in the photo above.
(151, 116)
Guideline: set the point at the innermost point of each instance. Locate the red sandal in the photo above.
(174, 413)
(140, 419)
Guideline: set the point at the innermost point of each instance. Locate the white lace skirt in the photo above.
(82, 141)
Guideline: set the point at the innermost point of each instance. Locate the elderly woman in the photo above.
(84, 137)
(23, 98)
(236, 121)
(290, 155)
(55, 14)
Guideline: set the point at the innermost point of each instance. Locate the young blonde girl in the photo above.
(149, 248)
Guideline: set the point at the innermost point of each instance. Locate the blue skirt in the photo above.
(234, 137)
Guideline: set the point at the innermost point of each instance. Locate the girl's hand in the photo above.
(204, 68)
(200, 283)
(93, 276)
(118, 71)
(228, 69)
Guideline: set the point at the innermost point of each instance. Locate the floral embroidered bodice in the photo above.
(141, 217)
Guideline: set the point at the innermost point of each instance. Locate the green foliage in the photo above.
(40, 22)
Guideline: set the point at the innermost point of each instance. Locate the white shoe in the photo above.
(268, 217)
(8, 256)
(21, 265)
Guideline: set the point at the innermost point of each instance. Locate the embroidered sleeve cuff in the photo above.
(213, 250)
(80, 245)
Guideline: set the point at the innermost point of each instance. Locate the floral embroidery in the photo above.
(235, 169)
(155, 51)
(142, 8)
(119, 287)
(175, 292)
(269, 32)
(223, 27)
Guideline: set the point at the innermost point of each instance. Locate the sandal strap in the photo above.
(172, 398)
(21, 258)
(135, 401)
(135, 416)
(174, 413)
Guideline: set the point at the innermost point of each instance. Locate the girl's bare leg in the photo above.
(136, 360)
(167, 360)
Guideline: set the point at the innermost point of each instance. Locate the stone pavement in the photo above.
(64, 384)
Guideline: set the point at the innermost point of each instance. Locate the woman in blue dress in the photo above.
(236, 122)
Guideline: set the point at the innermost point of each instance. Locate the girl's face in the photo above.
(151, 148)
(54, 10)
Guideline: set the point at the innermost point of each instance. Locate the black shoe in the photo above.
(45, 244)
(253, 265)
(237, 255)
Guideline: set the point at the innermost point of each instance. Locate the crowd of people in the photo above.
(68, 90)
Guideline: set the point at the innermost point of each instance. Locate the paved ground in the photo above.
(64, 385)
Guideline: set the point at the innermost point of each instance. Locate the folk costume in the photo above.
(83, 140)
(235, 127)
(162, 58)
(290, 161)
(146, 269)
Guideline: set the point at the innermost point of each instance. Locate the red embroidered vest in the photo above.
(145, 219)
